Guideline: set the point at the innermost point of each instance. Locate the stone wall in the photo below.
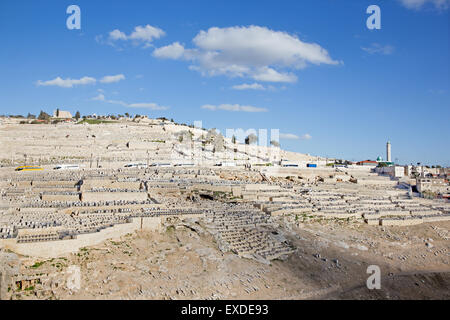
(52, 249)
(87, 196)
(111, 184)
(61, 197)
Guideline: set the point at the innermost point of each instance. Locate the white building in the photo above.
(62, 114)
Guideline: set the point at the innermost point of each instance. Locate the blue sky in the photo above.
(311, 69)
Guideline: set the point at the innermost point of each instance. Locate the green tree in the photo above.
(43, 116)
(275, 143)
(77, 115)
(251, 139)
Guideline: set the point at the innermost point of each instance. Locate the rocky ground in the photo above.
(184, 262)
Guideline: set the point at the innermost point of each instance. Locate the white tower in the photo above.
(388, 151)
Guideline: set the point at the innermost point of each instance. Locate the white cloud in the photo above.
(233, 107)
(271, 75)
(245, 86)
(141, 35)
(67, 83)
(119, 102)
(253, 52)
(289, 136)
(99, 97)
(418, 4)
(378, 48)
(111, 79)
(172, 51)
(306, 136)
(117, 35)
(151, 105)
(147, 33)
(144, 105)
(209, 107)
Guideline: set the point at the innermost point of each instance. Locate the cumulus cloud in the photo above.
(233, 107)
(172, 51)
(67, 83)
(209, 107)
(246, 86)
(418, 4)
(253, 52)
(306, 136)
(144, 105)
(150, 105)
(289, 136)
(111, 79)
(141, 35)
(99, 97)
(117, 35)
(271, 75)
(147, 33)
(376, 48)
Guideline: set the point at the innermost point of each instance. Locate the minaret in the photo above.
(388, 151)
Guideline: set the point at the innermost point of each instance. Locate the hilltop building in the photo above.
(434, 185)
(60, 114)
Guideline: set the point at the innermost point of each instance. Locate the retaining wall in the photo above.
(52, 249)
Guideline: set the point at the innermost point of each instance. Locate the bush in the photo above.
(275, 143)
(251, 139)
(43, 116)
